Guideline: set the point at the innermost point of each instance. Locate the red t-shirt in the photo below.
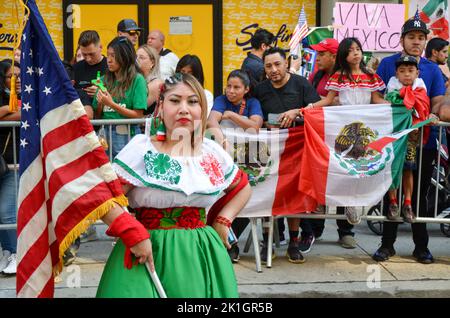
(321, 86)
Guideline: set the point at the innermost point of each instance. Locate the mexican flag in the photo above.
(338, 169)
(271, 160)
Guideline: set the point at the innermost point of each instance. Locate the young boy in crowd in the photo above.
(408, 89)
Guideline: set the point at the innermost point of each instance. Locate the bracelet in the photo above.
(223, 220)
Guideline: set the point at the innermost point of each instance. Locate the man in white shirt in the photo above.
(168, 60)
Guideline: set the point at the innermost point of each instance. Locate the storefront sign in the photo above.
(180, 25)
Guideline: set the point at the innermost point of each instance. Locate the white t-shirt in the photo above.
(209, 100)
(167, 65)
(394, 83)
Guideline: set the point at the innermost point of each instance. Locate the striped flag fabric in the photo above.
(66, 180)
(382, 142)
(271, 159)
(300, 31)
(340, 169)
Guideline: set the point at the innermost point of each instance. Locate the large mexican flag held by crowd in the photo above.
(338, 169)
(271, 160)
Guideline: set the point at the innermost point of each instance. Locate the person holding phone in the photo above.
(86, 70)
(283, 94)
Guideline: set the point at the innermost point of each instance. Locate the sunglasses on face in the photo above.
(134, 33)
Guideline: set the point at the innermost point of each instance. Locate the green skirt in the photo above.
(191, 263)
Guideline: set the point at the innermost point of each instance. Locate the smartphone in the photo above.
(84, 84)
(232, 239)
(272, 119)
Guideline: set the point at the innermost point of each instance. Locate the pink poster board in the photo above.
(376, 25)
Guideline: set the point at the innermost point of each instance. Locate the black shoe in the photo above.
(383, 254)
(306, 243)
(233, 252)
(264, 251)
(68, 257)
(293, 253)
(423, 257)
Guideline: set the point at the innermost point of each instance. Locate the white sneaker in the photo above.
(4, 255)
(12, 266)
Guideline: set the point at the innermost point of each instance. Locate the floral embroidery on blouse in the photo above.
(213, 169)
(161, 167)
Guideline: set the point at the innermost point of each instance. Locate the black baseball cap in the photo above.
(414, 25)
(406, 60)
(127, 25)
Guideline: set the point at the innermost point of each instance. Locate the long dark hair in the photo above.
(5, 66)
(196, 65)
(125, 56)
(341, 59)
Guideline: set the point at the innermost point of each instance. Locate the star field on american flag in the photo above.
(65, 174)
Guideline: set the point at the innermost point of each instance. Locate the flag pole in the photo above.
(156, 281)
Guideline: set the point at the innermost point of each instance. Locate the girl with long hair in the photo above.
(126, 92)
(191, 64)
(354, 84)
(352, 80)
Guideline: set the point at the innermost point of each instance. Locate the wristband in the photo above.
(130, 231)
(223, 220)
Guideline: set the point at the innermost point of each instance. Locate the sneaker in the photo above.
(424, 257)
(233, 252)
(383, 254)
(89, 235)
(264, 251)
(393, 212)
(4, 255)
(306, 243)
(293, 253)
(347, 241)
(69, 257)
(283, 240)
(408, 214)
(352, 216)
(12, 265)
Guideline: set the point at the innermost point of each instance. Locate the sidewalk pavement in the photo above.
(329, 270)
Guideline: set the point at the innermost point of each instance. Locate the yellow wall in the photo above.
(268, 14)
(107, 25)
(237, 14)
(199, 43)
(51, 11)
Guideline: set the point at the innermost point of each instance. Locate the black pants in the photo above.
(316, 226)
(240, 224)
(419, 230)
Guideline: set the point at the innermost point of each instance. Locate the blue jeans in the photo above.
(119, 139)
(8, 208)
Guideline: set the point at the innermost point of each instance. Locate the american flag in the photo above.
(66, 180)
(417, 16)
(300, 31)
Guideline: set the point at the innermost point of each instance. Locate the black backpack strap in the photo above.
(164, 52)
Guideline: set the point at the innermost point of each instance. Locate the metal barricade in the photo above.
(141, 121)
(97, 122)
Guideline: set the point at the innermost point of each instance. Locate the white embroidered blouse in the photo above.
(162, 181)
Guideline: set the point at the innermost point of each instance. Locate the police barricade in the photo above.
(439, 185)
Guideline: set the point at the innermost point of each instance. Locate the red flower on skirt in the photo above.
(189, 218)
(150, 218)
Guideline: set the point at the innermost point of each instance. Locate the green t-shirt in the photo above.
(135, 98)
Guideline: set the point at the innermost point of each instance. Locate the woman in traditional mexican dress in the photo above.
(170, 181)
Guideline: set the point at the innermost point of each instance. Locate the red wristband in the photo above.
(128, 229)
(223, 220)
